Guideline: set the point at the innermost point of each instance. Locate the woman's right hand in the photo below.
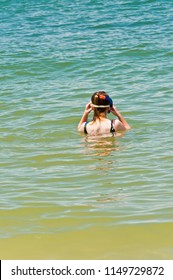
(114, 111)
(122, 124)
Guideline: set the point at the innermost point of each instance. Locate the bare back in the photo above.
(98, 127)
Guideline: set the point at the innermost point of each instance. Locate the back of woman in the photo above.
(101, 104)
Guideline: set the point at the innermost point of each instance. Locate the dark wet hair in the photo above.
(99, 99)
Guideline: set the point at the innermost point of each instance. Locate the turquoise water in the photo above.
(58, 186)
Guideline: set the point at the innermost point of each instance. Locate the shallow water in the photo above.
(64, 195)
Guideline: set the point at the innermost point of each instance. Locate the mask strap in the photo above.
(101, 106)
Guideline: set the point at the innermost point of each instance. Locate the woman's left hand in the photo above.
(88, 108)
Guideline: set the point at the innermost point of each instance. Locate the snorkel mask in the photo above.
(105, 97)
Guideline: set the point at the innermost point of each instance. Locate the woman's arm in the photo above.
(84, 118)
(122, 124)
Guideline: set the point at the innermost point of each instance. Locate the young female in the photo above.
(101, 104)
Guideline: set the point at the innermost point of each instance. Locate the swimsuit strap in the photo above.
(112, 130)
(85, 130)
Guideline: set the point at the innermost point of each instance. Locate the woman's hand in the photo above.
(114, 111)
(122, 124)
(88, 108)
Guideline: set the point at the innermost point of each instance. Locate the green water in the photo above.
(64, 195)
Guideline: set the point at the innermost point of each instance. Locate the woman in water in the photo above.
(101, 104)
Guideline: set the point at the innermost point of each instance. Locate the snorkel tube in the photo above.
(105, 97)
(109, 100)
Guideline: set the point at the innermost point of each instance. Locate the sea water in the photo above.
(64, 195)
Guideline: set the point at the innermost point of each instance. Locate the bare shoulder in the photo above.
(80, 127)
(118, 125)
